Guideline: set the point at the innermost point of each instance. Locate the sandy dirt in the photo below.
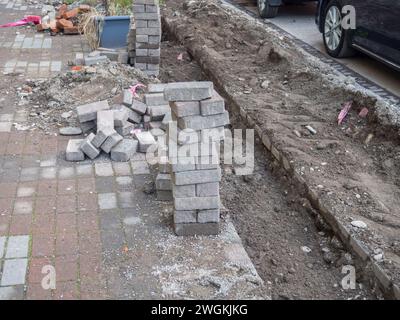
(283, 92)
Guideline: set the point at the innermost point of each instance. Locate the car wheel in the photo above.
(265, 10)
(336, 39)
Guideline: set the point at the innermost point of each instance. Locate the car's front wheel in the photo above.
(336, 38)
(266, 10)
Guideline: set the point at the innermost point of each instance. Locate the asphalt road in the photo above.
(299, 20)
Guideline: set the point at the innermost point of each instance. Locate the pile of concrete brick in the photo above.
(148, 36)
(101, 55)
(198, 118)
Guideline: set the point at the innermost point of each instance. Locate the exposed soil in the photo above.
(272, 221)
(283, 89)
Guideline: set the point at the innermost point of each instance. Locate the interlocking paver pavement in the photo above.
(92, 221)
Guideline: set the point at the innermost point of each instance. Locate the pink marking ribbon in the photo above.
(345, 110)
(135, 87)
(22, 22)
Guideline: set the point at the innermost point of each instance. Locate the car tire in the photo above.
(265, 10)
(336, 39)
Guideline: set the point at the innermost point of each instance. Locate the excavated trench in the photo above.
(274, 222)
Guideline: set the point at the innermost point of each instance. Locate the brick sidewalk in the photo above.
(91, 220)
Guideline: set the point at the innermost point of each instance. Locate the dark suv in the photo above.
(374, 31)
(269, 8)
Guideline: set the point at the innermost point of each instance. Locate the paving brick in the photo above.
(186, 191)
(48, 173)
(207, 189)
(196, 176)
(167, 118)
(188, 91)
(124, 150)
(12, 292)
(196, 203)
(111, 141)
(17, 247)
(204, 122)
(213, 105)
(139, 106)
(155, 99)
(88, 126)
(88, 148)
(185, 108)
(73, 152)
(120, 117)
(105, 119)
(125, 129)
(88, 112)
(207, 162)
(157, 113)
(213, 134)
(14, 272)
(147, 16)
(66, 172)
(182, 164)
(156, 87)
(84, 170)
(140, 167)
(89, 61)
(145, 140)
(66, 204)
(43, 246)
(23, 207)
(2, 246)
(149, 31)
(107, 201)
(205, 216)
(133, 116)
(104, 169)
(67, 268)
(185, 216)
(101, 136)
(127, 97)
(26, 191)
(196, 229)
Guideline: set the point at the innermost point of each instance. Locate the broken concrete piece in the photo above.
(111, 141)
(124, 150)
(70, 131)
(88, 148)
(188, 91)
(73, 151)
(88, 112)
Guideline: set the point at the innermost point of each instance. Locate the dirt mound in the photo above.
(51, 103)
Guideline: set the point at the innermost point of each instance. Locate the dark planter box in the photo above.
(114, 31)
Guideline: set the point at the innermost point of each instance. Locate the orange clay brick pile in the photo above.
(66, 21)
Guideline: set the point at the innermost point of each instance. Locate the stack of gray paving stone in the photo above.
(111, 124)
(199, 114)
(148, 36)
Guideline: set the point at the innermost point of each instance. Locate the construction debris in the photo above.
(65, 19)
